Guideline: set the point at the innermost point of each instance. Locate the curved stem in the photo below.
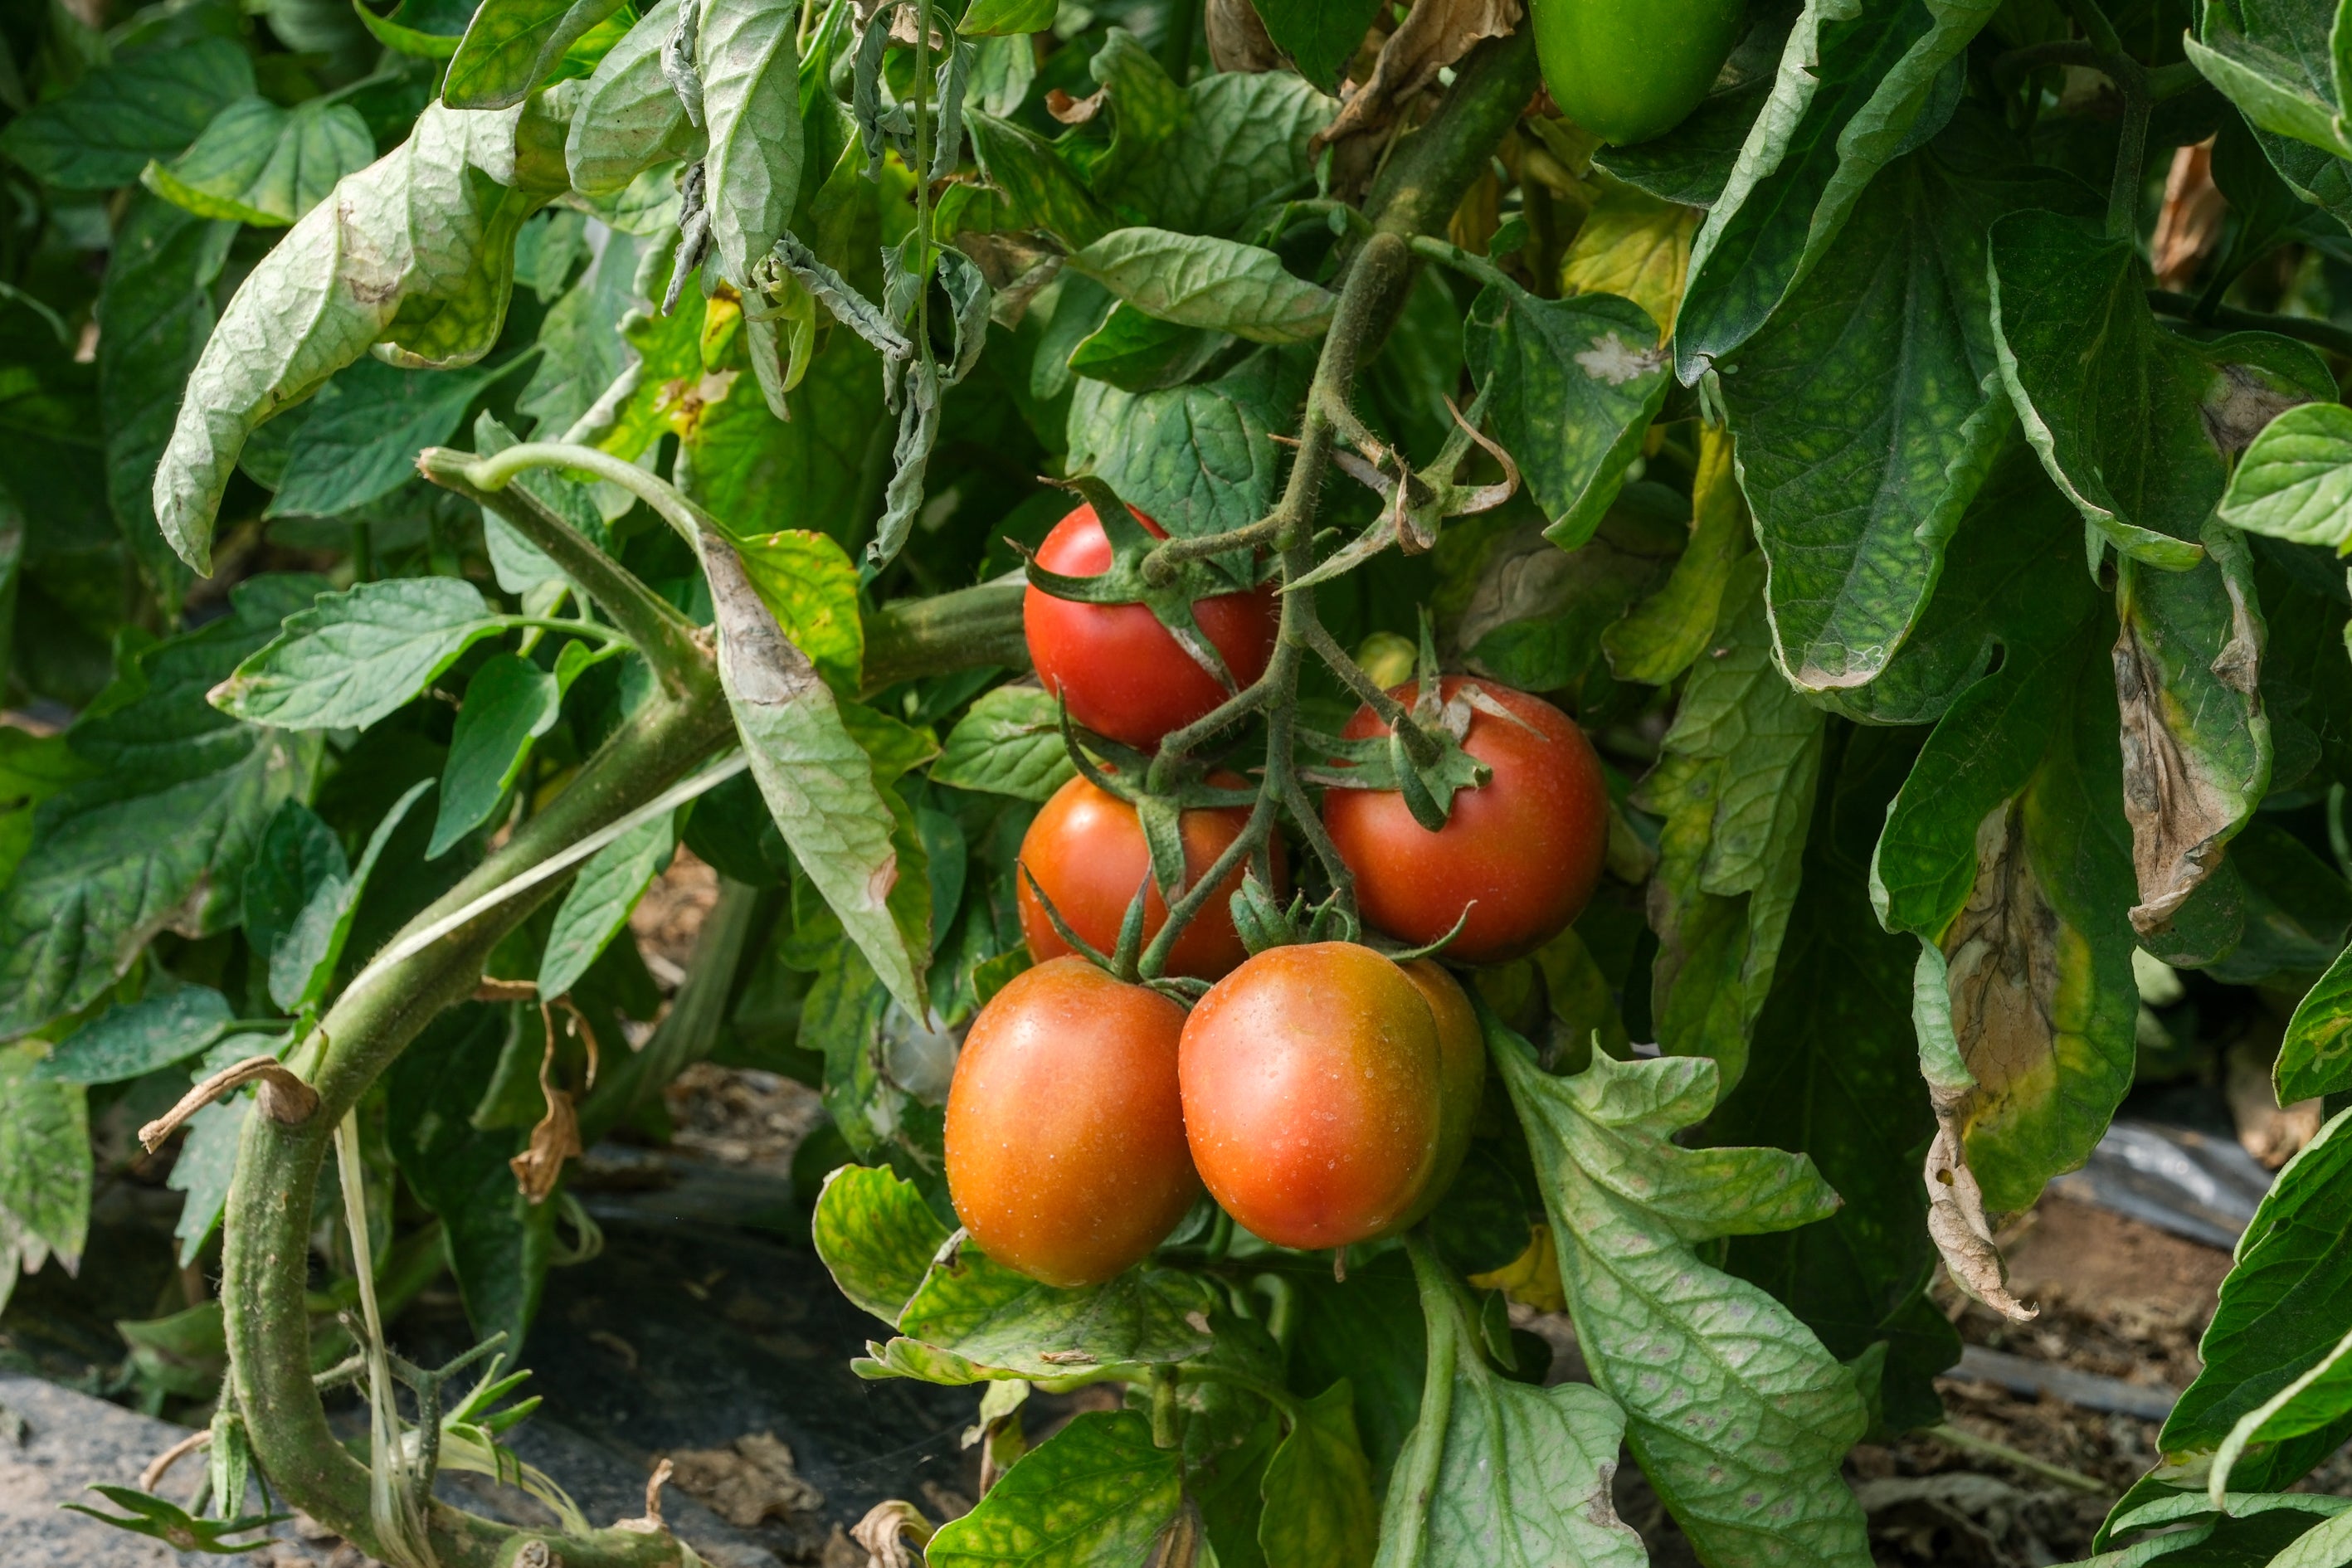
(591, 631)
(1477, 268)
(1282, 1399)
(1424, 1450)
(497, 471)
(2302, 328)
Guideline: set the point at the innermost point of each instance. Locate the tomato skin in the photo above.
(1462, 1076)
(1627, 70)
(1086, 848)
(1066, 1150)
(1522, 854)
(1121, 672)
(1312, 1094)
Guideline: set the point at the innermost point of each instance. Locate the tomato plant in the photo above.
(1084, 853)
(1814, 543)
(1065, 1134)
(1518, 858)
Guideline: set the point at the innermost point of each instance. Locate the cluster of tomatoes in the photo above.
(1322, 1092)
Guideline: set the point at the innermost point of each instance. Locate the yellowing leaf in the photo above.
(1532, 1277)
(1635, 244)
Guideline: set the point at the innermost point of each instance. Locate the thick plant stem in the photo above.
(962, 630)
(1416, 1481)
(1423, 180)
(265, 1248)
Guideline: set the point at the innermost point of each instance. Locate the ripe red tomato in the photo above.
(1118, 668)
(1461, 1072)
(1065, 1148)
(1522, 854)
(1086, 848)
(1312, 1094)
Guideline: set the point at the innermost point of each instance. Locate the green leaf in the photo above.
(499, 1243)
(157, 838)
(168, 1523)
(1146, 107)
(820, 784)
(138, 1037)
(45, 1160)
(989, 16)
(1097, 1491)
(298, 855)
(1319, 36)
(1040, 190)
(878, 1236)
(1194, 280)
(1854, 82)
(1833, 1075)
(103, 130)
(1870, 410)
(1692, 164)
(302, 964)
(421, 30)
(2276, 63)
(1009, 743)
(751, 94)
(203, 1169)
(2296, 481)
(1728, 1397)
(509, 702)
(2316, 1057)
(630, 118)
(1247, 139)
(1664, 634)
(258, 163)
(597, 908)
(1198, 458)
(355, 657)
(512, 46)
(2318, 1400)
(993, 1317)
(416, 254)
(1317, 1488)
(810, 585)
(2132, 421)
(1137, 353)
(156, 307)
(1571, 386)
(1736, 788)
(361, 440)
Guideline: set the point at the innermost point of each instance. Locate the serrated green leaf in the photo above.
(509, 702)
(1198, 458)
(1869, 409)
(1319, 36)
(298, 855)
(1247, 139)
(103, 130)
(158, 838)
(750, 95)
(157, 308)
(878, 1236)
(361, 440)
(355, 657)
(1194, 280)
(596, 909)
(1729, 1401)
(2134, 421)
(990, 17)
(2275, 63)
(1147, 106)
(512, 46)
(1010, 742)
(2316, 1057)
(630, 118)
(138, 1037)
(995, 1317)
(1040, 190)
(2296, 481)
(1317, 1488)
(203, 1169)
(1735, 788)
(1097, 1491)
(1572, 385)
(258, 163)
(44, 1159)
(1137, 353)
(1854, 81)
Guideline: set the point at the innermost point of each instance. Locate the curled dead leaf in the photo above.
(1238, 41)
(1956, 1220)
(554, 1140)
(1437, 34)
(886, 1530)
(752, 1478)
(2181, 819)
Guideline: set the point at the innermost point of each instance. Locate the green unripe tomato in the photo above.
(1627, 70)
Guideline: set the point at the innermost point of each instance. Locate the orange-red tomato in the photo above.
(1116, 667)
(1312, 1094)
(1086, 850)
(1522, 854)
(1067, 1156)
(1461, 1071)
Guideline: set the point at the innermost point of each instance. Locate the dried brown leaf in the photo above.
(1238, 41)
(2189, 224)
(752, 1479)
(1437, 34)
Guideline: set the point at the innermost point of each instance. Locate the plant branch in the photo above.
(1425, 178)
(962, 630)
(661, 631)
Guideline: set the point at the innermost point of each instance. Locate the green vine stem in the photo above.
(1416, 1481)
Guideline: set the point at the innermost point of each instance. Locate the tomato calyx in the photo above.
(1160, 810)
(1421, 758)
(1418, 502)
(1264, 920)
(1135, 577)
